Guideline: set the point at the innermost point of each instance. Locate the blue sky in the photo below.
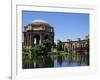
(66, 25)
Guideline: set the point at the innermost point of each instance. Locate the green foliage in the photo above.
(37, 49)
(59, 45)
(25, 50)
(47, 45)
(87, 42)
(54, 45)
(57, 53)
(43, 48)
(53, 53)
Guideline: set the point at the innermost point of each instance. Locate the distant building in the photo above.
(76, 46)
(36, 32)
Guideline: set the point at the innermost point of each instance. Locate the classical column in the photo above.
(30, 39)
(27, 39)
(24, 39)
(40, 40)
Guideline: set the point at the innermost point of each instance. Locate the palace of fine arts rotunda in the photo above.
(36, 32)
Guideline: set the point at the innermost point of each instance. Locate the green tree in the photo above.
(55, 45)
(37, 49)
(59, 45)
(47, 45)
(25, 50)
(87, 42)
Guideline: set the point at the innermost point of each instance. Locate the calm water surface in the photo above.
(65, 60)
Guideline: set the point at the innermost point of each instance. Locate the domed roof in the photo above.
(39, 25)
(39, 21)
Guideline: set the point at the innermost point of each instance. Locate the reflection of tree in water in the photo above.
(27, 62)
(48, 62)
(71, 59)
(81, 58)
(42, 62)
(86, 58)
(77, 58)
(59, 60)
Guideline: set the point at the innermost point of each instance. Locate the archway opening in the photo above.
(46, 37)
(36, 39)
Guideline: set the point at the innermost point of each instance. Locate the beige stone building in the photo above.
(76, 46)
(36, 32)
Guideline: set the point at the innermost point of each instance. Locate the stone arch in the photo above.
(46, 36)
(36, 39)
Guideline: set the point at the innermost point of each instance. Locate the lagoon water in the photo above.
(54, 61)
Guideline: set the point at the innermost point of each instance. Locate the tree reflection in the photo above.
(59, 60)
(65, 60)
(42, 62)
